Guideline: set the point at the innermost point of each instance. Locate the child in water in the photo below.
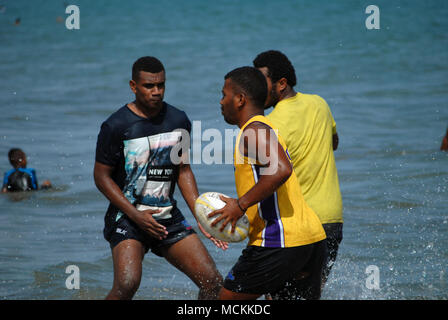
(21, 178)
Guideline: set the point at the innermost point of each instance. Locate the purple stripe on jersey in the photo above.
(289, 157)
(272, 234)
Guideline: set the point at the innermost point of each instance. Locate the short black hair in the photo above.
(15, 156)
(278, 66)
(252, 82)
(147, 64)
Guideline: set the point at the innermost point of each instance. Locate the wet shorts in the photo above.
(278, 271)
(124, 229)
(334, 238)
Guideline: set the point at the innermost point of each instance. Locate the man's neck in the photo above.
(288, 93)
(251, 112)
(143, 112)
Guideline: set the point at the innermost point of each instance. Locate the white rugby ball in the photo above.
(209, 202)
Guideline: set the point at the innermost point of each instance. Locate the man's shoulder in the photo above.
(176, 118)
(118, 116)
(289, 113)
(314, 104)
(313, 98)
(119, 121)
(318, 108)
(175, 111)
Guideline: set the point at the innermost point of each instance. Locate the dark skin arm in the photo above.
(104, 182)
(266, 185)
(188, 187)
(335, 141)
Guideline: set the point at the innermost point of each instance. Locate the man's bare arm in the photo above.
(188, 187)
(104, 182)
(279, 167)
(335, 141)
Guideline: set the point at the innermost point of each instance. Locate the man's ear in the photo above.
(133, 85)
(282, 83)
(240, 100)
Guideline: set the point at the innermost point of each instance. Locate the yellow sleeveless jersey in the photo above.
(283, 219)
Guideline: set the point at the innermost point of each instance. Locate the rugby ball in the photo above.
(209, 202)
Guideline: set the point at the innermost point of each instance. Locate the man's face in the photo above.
(149, 89)
(273, 96)
(228, 103)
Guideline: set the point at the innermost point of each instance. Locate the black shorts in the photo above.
(334, 239)
(116, 231)
(277, 271)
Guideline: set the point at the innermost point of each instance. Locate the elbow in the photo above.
(99, 183)
(98, 178)
(288, 171)
(102, 176)
(285, 172)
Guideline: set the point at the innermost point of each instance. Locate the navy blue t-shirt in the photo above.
(144, 153)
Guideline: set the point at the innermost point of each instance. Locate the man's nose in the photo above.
(156, 90)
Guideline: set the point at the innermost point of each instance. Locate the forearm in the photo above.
(187, 186)
(266, 186)
(335, 141)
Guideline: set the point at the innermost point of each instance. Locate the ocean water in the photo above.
(387, 89)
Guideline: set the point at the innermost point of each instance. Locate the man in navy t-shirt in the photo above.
(139, 160)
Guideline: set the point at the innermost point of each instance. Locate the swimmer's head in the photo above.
(17, 158)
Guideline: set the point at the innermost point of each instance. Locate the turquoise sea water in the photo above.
(387, 88)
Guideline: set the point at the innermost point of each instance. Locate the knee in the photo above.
(211, 282)
(209, 287)
(125, 287)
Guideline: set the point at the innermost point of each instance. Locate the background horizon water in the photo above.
(387, 89)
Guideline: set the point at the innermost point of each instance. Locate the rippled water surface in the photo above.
(387, 89)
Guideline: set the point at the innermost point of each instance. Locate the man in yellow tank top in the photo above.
(286, 250)
(307, 125)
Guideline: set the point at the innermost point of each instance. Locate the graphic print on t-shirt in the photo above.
(150, 172)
